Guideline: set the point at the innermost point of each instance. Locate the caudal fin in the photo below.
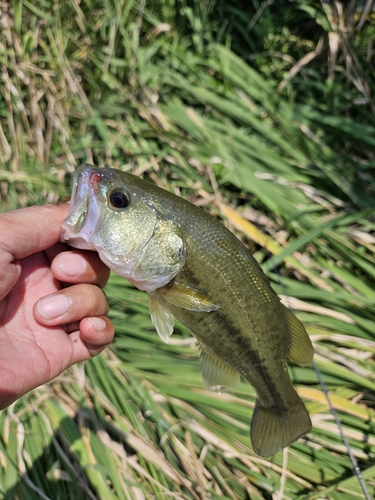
(273, 429)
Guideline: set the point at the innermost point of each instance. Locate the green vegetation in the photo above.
(262, 113)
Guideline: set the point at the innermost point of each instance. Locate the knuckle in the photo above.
(97, 299)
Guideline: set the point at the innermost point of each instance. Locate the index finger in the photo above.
(25, 232)
(30, 230)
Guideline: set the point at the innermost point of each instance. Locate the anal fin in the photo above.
(217, 375)
(161, 318)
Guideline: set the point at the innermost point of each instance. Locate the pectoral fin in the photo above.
(301, 350)
(217, 375)
(187, 297)
(161, 318)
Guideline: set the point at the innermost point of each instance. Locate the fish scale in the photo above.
(223, 332)
(197, 271)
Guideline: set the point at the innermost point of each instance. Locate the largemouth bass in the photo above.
(197, 271)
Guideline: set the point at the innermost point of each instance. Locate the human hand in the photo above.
(52, 310)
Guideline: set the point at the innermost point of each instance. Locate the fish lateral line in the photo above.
(168, 247)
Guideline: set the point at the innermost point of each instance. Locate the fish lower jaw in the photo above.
(77, 242)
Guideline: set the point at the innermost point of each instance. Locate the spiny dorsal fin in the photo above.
(187, 297)
(217, 375)
(161, 318)
(301, 350)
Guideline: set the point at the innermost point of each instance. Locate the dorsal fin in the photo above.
(300, 350)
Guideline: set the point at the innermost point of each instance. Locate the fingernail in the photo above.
(98, 323)
(72, 264)
(53, 306)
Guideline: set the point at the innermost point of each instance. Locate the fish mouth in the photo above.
(85, 208)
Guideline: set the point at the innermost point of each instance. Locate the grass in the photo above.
(261, 114)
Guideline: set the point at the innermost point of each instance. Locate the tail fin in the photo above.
(273, 429)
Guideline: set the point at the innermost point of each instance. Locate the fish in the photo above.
(196, 271)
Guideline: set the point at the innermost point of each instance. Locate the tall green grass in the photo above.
(261, 114)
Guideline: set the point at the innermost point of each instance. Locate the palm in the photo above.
(45, 351)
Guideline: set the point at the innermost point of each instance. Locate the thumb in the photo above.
(24, 232)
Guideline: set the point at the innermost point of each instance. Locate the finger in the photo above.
(92, 337)
(24, 232)
(30, 230)
(97, 333)
(71, 304)
(79, 266)
(52, 252)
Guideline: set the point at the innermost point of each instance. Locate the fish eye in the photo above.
(119, 199)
